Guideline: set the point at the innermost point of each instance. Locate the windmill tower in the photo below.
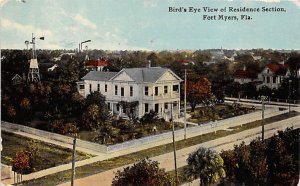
(33, 73)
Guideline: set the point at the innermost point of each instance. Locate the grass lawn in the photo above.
(105, 165)
(49, 155)
(220, 111)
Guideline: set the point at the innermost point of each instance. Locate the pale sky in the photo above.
(146, 24)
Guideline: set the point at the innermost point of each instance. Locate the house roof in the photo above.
(247, 73)
(97, 63)
(150, 75)
(99, 76)
(277, 68)
(17, 76)
(139, 75)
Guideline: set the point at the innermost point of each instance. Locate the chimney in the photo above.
(149, 63)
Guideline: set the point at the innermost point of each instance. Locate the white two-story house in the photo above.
(154, 88)
(272, 75)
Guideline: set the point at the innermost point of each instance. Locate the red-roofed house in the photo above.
(245, 76)
(96, 65)
(272, 75)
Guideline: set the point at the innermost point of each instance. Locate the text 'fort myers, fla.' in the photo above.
(242, 11)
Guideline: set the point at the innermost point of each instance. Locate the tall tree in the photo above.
(206, 164)
(198, 91)
(145, 172)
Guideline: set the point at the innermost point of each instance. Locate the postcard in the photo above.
(150, 92)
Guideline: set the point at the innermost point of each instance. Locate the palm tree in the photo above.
(206, 164)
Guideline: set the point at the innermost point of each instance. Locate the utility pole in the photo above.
(174, 147)
(73, 160)
(263, 98)
(185, 103)
(289, 97)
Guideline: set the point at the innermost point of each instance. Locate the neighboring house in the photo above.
(96, 65)
(209, 62)
(17, 79)
(52, 68)
(244, 76)
(154, 88)
(257, 58)
(230, 55)
(217, 54)
(272, 75)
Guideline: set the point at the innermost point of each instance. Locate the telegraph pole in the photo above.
(174, 146)
(289, 97)
(263, 98)
(185, 103)
(73, 160)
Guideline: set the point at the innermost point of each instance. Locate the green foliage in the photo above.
(150, 117)
(130, 108)
(95, 111)
(145, 172)
(272, 162)
(206, 164)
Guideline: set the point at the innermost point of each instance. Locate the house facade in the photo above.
(244, 75)
(272, 75)
(154, 88)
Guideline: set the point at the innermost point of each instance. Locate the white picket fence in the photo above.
(154, 140)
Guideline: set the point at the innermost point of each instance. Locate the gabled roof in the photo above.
(97, 63)
(150, 75)
(99, 76)
(247, 73)
(17, 76)
(138, 75)
(277, 68)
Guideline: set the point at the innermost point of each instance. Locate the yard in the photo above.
(123, 130)
(49, 155)
(218, 112)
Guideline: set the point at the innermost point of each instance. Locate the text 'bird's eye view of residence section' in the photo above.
(150, 93)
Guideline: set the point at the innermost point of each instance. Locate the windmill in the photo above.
(33, 73)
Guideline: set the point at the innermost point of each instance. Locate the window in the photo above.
(175, 88)
(131, 91)
(146, 91)
(166, 106)
(90, 87)
(274, 79)
(81, 86)
(116, 89)
(105, 88)
(156, 107)
(268, 79)
(166, 89)
(108, 105)
(146, 107)
(156, 91)
(118, 108)
(122, 91)
(98, 87)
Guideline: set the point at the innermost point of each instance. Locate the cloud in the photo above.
(3, 2)
(297, 2)
(9, 24)
(84, 21)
